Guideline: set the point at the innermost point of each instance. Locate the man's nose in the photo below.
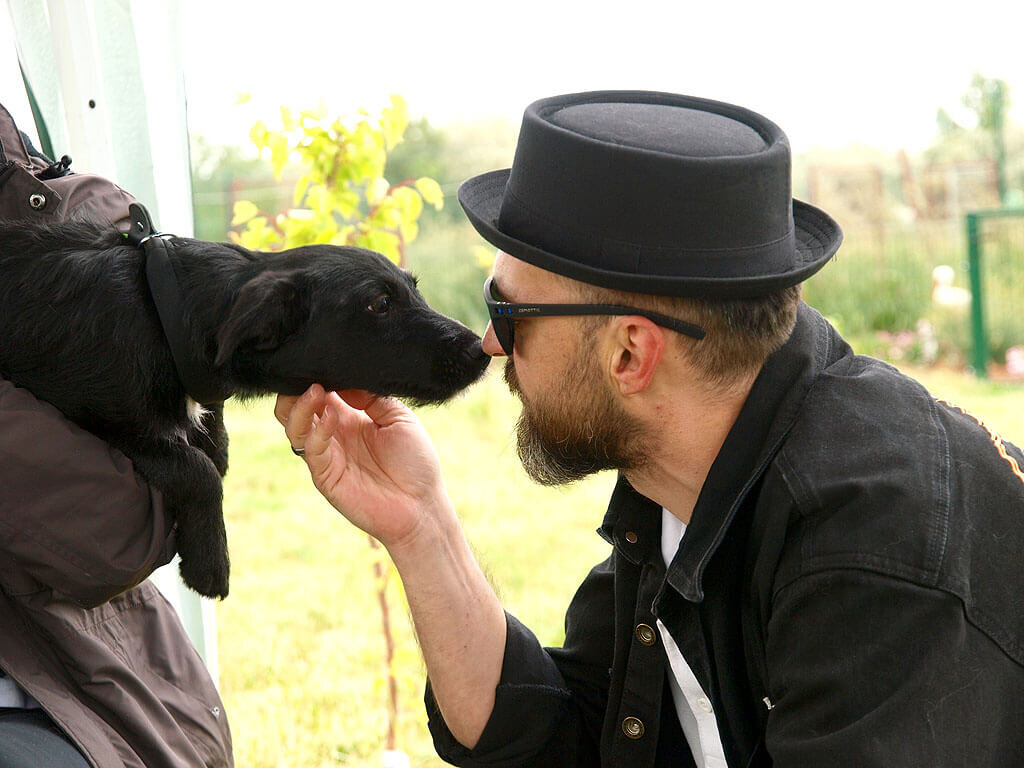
(490, 343)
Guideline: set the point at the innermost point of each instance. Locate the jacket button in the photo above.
(632, 727)
(645, 634)
(630, 537)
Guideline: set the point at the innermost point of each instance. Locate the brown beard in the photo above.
(578, 430)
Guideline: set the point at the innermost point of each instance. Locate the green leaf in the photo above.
(301, 186)
(287, 120)
(343, 236)
(316, 115)
(257, 236)
(302, 228)
(242, 211)
(408, 230)
(341, 186)
(278, 153)
(383, 242)
(386, 216)
(394, 120)
(318, 199)
(258, 134)
(431, 191)
(408, 203)
(345, 201)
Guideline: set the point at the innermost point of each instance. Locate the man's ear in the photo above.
(268, 309)
(637, 347)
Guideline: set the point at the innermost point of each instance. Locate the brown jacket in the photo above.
(81, 630)
(55, 196)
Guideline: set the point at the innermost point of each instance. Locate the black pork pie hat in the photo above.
(653, 193)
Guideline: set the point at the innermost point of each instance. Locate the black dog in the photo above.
(79, 328)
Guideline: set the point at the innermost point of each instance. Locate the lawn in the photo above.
(300, 642)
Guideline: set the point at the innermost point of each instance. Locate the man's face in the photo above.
(572, 424)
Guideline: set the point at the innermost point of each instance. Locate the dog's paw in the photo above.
(208, 579)
(220, 461)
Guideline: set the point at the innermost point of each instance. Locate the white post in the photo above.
(109, 83)
(73, 37)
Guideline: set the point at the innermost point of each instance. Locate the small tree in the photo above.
(342, 197)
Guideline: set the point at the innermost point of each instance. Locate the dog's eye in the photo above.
(380, 305)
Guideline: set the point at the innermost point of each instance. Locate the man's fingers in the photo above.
(283, 407)
(297, 415)
(318, 441)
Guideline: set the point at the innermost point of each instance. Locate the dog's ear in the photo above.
(268, 308)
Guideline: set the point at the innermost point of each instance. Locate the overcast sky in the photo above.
(829, 73)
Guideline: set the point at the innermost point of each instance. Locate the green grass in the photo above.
(300, 643)
(301, 649)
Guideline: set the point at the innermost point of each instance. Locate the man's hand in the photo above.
(372, 459)
(369, 456)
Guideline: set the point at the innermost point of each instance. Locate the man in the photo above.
(814, 562)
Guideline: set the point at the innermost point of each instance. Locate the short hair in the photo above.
(741, 333)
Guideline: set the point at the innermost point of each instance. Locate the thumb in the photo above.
(384, 411)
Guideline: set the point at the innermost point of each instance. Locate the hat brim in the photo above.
(818, 237)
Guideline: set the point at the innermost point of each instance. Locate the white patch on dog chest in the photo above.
(195, 412)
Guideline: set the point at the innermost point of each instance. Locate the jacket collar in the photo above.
(633, 523)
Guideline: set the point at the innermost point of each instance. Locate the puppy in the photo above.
(79, 329)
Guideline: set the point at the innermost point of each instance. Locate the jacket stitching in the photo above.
(988, 625)
(943, 492)
(612, 241)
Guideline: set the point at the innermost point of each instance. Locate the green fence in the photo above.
(995, 258)
(882, 289)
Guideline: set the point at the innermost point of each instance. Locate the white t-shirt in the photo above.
(11, 695)
(693, 706)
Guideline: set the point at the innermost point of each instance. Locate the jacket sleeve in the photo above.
(75, 518)
(550, 702)
(869, 670)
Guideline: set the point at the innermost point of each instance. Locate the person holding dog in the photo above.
(814, 561)
(96, 669)
(95, 666)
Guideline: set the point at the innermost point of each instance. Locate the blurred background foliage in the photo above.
(902, 215)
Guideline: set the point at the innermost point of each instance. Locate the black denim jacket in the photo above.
(849, 592)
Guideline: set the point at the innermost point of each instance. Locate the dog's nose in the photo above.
(476, 350)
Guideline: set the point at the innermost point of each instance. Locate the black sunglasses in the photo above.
(504, 315)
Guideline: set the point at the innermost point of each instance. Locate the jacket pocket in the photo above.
(132, 658)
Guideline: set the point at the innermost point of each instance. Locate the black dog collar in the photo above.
(162, 278)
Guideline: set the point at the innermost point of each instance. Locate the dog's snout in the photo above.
(476, 350)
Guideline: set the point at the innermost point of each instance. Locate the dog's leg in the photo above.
(192, 488)
(211, 437)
